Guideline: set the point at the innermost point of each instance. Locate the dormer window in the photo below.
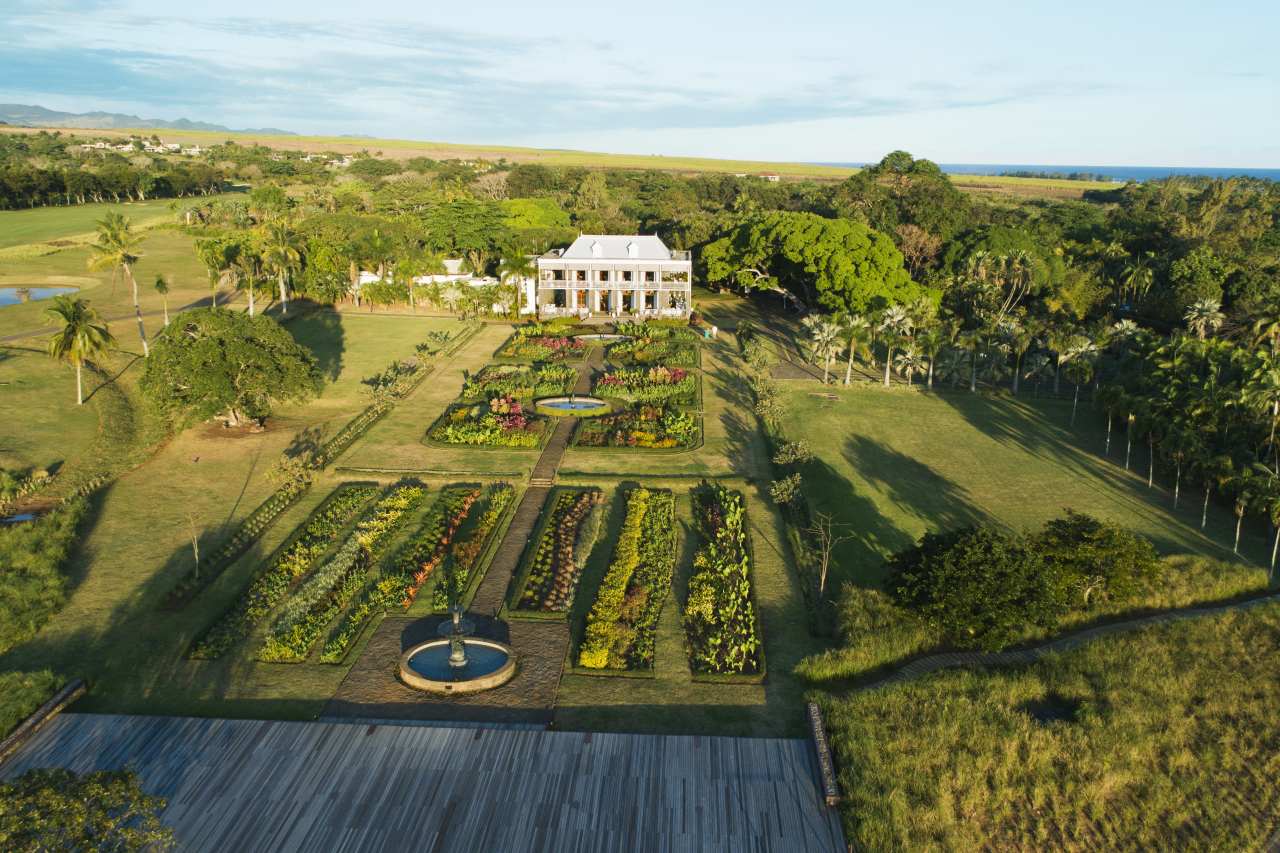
(597, 251)
(633, 251)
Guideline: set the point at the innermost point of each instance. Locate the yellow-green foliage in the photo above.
(33, 572)
(21, 693)
(603, 623)
(1160, 739)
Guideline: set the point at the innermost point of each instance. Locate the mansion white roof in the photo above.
(617, 247)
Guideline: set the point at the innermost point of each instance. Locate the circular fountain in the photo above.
(457, 663)
(573, 405)
(603, 337)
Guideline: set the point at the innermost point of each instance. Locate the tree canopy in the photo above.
(213, 363)
(59, 810)
(840, 264)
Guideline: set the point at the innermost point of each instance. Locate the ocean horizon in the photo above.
(1115, 173)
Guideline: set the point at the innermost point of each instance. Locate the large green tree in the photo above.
(226, 364)
(842, 265)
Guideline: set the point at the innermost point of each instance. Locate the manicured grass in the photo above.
(76, 222)
(165, 251)
(1164, 739)
(21, 693)
(893, 464)
(44, 425)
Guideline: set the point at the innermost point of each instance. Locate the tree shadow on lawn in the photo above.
(321, 332)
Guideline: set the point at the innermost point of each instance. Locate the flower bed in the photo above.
(557, 560)
(291, 563)
(200, 576)
(434, 550)
(648, 385)
(643, 425)
(542, 342)
(719, 616)
(335, 583)
(500, 422)
(520, 381)
(622, 624)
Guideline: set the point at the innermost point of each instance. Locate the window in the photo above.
(558, 275)
(649, 275)
(604, 275)
(582, 275)
(626, 275)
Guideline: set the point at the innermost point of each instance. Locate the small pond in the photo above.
(482, 659)
(18, 295)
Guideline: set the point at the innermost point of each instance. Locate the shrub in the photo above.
(648, 385)
(33, 582)
(520, 381)
(786, 490)
(56, 809)
(644, 425)
(719, 616)
(1102, 560)
(622, 622)
(561, 552)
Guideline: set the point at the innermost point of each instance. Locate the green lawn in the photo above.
(165, 251)
(1163, 739)
(113, 631)
(76, 222)
(51, 427)
(894, 464)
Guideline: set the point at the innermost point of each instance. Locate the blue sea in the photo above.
(1118, 173)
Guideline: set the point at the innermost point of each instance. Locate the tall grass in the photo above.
(1167, 741)
(33, 583)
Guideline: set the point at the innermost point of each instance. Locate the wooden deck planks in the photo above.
(263, 785)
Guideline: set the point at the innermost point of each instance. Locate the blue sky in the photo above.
(1117, 83)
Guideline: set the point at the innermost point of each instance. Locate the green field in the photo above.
(1164, 739)
(892, 465)
(51, 424)
(76, 222)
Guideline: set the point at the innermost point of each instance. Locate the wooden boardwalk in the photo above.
(249, 785)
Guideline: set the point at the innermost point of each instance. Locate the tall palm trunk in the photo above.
(165, 299)
(1151, 460)
(826, 368)
(1204, 512)
(848, 368)
(1017, 373)
(973, 370)
(137, 310)
(251, 302)
(1057, 372)
(931, 360)
(888, 360)
(1177, 483)
(1275, 548)
(1235, 549)
(284, 296)
(1128, 445)
(1107, 451)
(79, 385)
(1075, 402)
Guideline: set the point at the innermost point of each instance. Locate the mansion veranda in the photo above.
(612, 275)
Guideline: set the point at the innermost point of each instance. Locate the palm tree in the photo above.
(895, 325)
(451, 296)
(1036, 368)
(971, 339)
(1181, 444)
(909, 361)
(248, 268)
(1138, 276)
(1263, 393)
(856, 330)
(162, 288)
(281, 255)
(1060, 338)
(824, 341)
(1218, 470)
(1203, 317)
(117, 249)
(1079, 370)
(516, 270)
(82, 337)
(1266, 329)
(931, 341)
(1021, 335)
(1244, 488)
(219, 258)
(1269, 502)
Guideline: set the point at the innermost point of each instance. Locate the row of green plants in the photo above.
(719, 618)
(245, 535)
(459, 570)
(413, 565)
(644, 425)
(499, 422)
(650, 344)
(556, 563)
(324, 595)
(291, 563)
(522, 381)
(622, 624)
(648, 385)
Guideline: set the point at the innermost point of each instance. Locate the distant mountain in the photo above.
(29, 115)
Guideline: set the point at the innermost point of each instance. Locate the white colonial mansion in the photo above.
(614, 275)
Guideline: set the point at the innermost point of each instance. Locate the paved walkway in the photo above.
(952, 660)
(299, 786)
(492, 591)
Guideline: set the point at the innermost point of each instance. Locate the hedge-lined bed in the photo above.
(495, 407)
(523, 382)
(441, 556)
(551, 341)
(287, 566)
(552, 566)
(656, 408)
(621, 626)
(721, 624)
(655, 343)
(330, 588)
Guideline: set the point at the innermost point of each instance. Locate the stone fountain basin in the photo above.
(578, 406)
(426, 666)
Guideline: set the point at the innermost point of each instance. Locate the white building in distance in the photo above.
(613, 274)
